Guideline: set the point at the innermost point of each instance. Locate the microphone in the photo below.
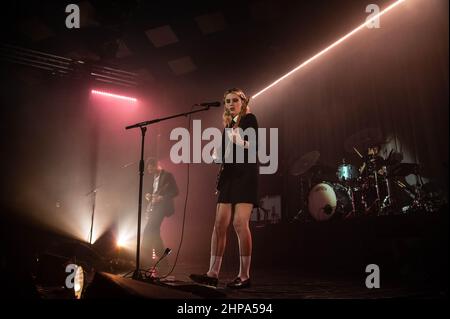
(209, 104)
(166, 252)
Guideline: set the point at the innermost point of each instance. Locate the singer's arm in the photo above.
(248, 121)
(237, 139)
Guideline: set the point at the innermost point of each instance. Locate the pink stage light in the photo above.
(331, 46)
(122, 97)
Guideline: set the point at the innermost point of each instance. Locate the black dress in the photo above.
(238, 182)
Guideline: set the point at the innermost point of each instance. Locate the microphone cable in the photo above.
(184, 210)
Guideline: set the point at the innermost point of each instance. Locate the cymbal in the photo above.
(403, 169)
(304, 163)
(364, 139)
(394, 158)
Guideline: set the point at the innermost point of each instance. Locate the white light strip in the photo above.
(132, 99)
(331, 46)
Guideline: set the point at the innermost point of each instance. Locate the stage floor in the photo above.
(292, 284)
(274, 284)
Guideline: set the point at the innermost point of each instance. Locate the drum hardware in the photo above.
(392, 173)
(303, 189)
(357, 152)
(302, 168)
(370, 174)
(373, 188)
(413, 195)
(376, 167)
(297, 216)
(377, 189)
(387, 204)
(394, 158)
(352, 197)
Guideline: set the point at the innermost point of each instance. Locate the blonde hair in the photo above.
(227, 118)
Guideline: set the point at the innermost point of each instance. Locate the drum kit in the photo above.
(376, 187)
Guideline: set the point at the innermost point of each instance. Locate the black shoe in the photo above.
(239, 284)
(204, 279)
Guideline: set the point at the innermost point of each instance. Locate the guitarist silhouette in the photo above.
(162, 191)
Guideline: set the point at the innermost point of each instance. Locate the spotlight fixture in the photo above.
(78, 282)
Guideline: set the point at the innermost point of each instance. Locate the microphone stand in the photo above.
(143, 126)
(152, 276)
(94, 192)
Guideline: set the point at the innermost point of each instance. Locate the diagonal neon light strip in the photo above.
(331, 46)
(132, 99)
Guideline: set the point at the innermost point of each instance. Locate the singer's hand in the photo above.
(235, 136)
(215, 157)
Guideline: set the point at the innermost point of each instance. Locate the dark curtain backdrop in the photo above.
(57, 144)
(393, 79)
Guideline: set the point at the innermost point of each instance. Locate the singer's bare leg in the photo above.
(219, 234)
(218, 241)
(240, 222)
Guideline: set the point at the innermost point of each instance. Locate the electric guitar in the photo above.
(151, 203)
(219, 174)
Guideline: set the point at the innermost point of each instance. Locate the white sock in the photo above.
(214, 266)
(244, 267)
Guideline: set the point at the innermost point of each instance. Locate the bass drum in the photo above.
(325, 200)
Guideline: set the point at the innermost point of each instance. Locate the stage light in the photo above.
(126, 233)
(125, 241)
(368, 22)
(122, 97)
(121, 242)
(78, 282)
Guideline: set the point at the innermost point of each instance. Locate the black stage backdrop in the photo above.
(58, 144)
(393, 80)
